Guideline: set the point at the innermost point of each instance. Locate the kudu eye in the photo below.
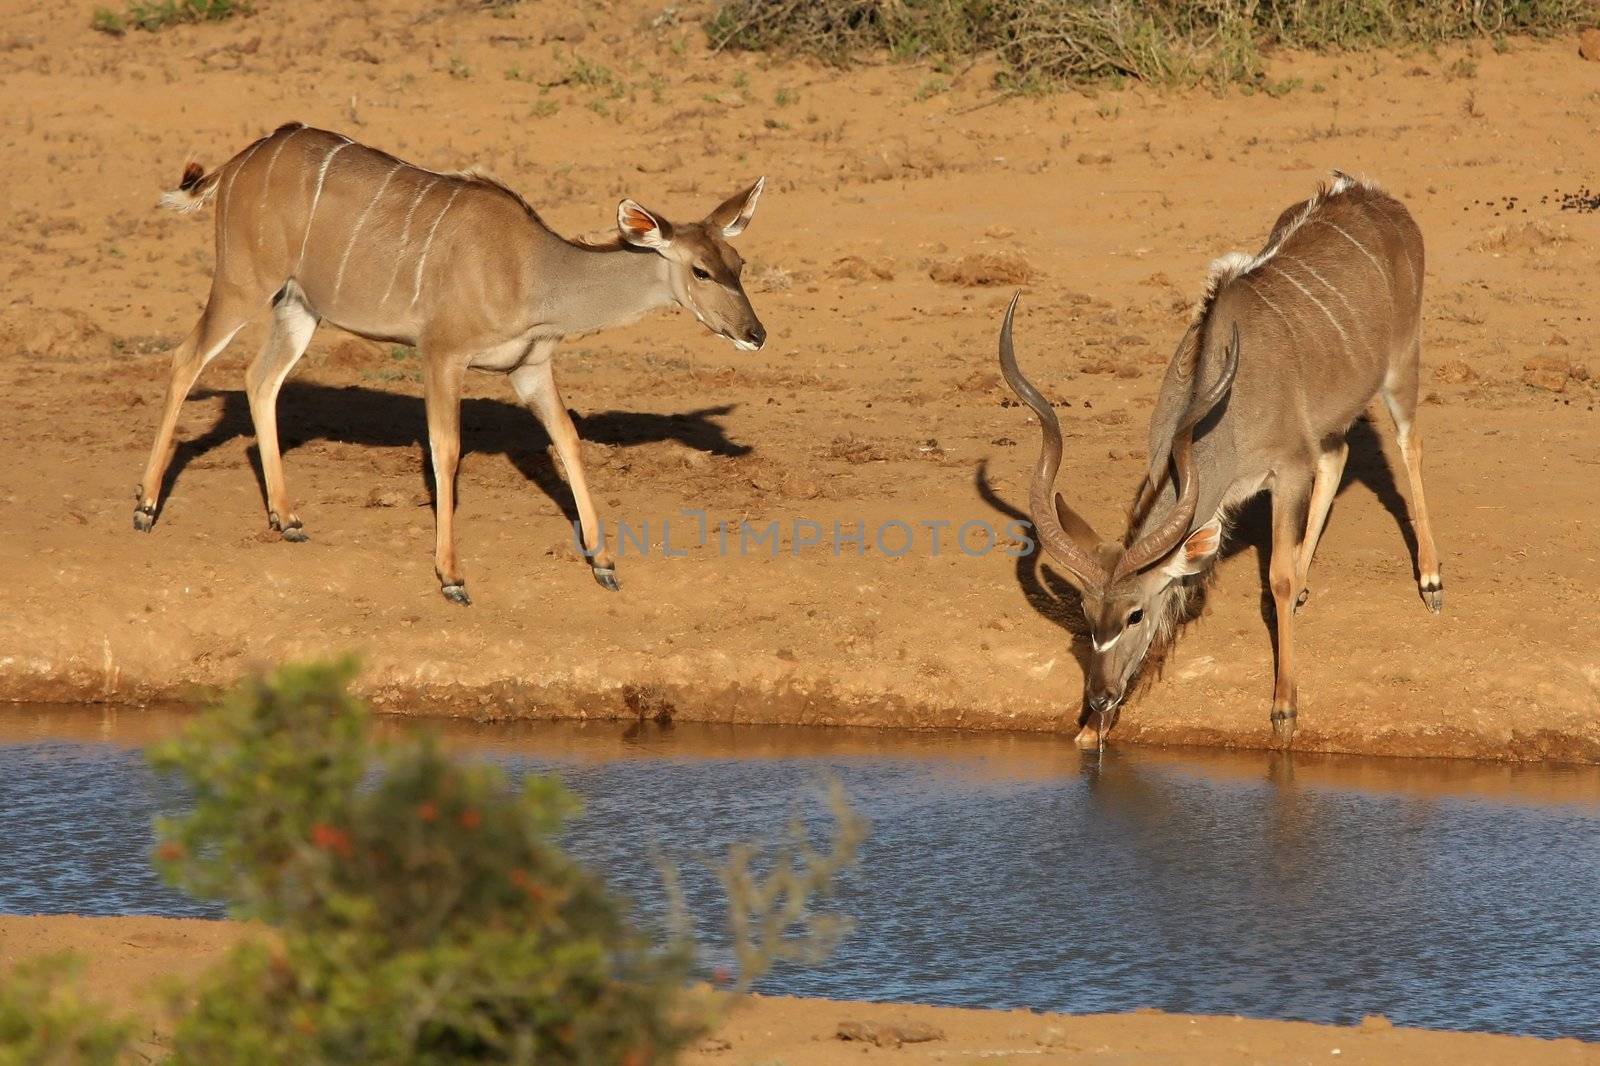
(701, 274)
(1135, 618)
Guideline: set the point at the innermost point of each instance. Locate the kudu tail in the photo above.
(194, 189)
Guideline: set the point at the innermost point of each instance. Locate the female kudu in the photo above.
(1285, 351)
(322, 228)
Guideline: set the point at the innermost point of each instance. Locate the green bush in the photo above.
(1169, 42)
(425, 915)
(274, 759)
(157, 14)
(425, 912)
(44, 1023)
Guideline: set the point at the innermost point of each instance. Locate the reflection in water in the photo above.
(1012, 872)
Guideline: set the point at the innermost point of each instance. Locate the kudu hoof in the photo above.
(457, 594)
(1433, 596)
(1283, 726)
(144, 519)
(607, 577)
(1300, 600)
(293, 532)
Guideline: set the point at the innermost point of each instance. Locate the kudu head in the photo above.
(1133, 588)
(702, 267)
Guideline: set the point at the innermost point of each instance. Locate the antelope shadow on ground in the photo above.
(356, 414)
(1055, 598)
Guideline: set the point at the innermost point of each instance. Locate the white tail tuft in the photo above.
(185, 199)
(194, 189)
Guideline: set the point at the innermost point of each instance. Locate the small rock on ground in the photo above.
(885, 1034)
(1589, 45)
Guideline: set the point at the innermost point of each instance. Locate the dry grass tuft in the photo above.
(1534, 237)
(984, 268)
(1172, 42)
(855, 268)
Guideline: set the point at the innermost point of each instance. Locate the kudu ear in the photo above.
(641, 228)
(733, 214)
(1196, 551)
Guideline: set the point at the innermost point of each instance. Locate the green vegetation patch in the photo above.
(1047, 43)
(154, 15)
(43, 1020)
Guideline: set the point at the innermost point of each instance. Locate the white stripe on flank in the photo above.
(1341, 183)
(1411, 268)
(1309, 269)
(338, 278)
(224, 196)
(1291, 229)
(1345, 234)
(1274, 307)
(416, 284)
(1307, 293)
(311, 217)
(266, 185)
(405, 235)
(1242, 264)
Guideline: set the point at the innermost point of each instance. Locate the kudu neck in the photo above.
(592, 288)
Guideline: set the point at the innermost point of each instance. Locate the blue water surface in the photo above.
(1136, 882)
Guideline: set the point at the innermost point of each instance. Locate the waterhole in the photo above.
(1000, 871)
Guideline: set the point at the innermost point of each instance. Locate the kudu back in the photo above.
(320, 228)
(1285, 351)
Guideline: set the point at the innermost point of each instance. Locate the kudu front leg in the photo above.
(442, 392)
(1289, 511)
(1330, 471)
(535, 384)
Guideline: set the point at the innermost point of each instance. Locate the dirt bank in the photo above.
(130, 962)
(880, 181)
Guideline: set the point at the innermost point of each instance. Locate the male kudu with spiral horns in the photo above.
(1285, 351)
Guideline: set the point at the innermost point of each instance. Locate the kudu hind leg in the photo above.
(1400, 396)
(442, 380)
(221, 319)
(1290, 501)
(535, 384)
(292, 327)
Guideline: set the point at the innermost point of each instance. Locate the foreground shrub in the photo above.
(425, 910)
(1172, 42)
(44, 1023)
(274, 759)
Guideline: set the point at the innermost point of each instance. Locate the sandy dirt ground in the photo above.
(133, 965)
(876, 399)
